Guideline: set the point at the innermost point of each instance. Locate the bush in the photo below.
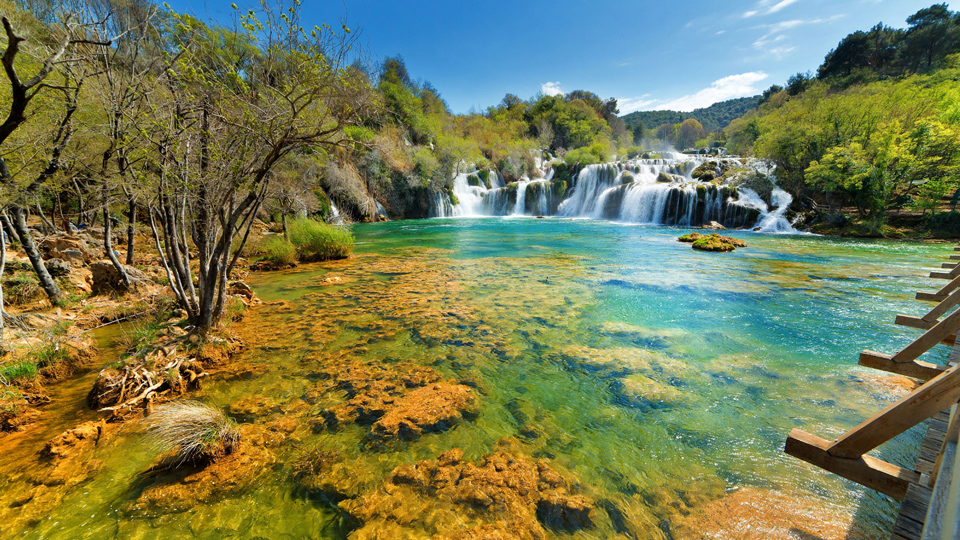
(20, 290)
(18, 371)
(278, 251)
(944, 224)
(196, 431)
(315, 241)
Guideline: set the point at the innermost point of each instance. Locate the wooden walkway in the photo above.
(913, 509)
(930, 491)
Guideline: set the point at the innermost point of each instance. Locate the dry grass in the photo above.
(195, 431)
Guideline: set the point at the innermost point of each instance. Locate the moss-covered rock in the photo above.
(484, 176)
(713, 242)
(559, 189)
(626, 178)
(664, 177)
(474, 180)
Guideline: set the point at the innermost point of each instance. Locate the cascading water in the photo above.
(770, 221)
(659, 191)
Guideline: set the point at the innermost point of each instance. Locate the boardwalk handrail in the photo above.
(846, 456)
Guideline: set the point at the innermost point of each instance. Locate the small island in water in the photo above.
(257, 281)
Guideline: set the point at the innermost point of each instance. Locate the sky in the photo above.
(649, 55)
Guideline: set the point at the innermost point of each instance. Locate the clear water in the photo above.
(553, 320)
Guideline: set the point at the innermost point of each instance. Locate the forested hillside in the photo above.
(877, 129)
(712, 118)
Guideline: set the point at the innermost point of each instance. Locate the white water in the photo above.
(771, 220)
(598, 192)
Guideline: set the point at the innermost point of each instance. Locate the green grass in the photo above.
(21, 289)
(18, 371)
(315, 241)
(278, 251)
(48, 355)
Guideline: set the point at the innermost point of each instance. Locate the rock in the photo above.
(71, 441)
(713, 225)
(54, 246)
(107, 279)
(713, 242)
(250, 408)
(182, 488)
(73, 256)
(57, 267)
(332, 477)
(664, 177)
(240, 288)
(502, 495)
(432, 408)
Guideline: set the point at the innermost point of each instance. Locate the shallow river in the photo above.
(663, 381)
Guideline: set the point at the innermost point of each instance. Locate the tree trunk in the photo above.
(49, 286)
(7, 225)
(108, 246)
(131, 231)
(3, 263)
(283, 219)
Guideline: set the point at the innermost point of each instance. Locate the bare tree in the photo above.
(234, 109)
(22, 93)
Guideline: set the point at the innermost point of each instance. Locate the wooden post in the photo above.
(934, 396)
(864, 470)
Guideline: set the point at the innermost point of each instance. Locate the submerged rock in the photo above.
(502, 495)
(180, 489)
(432, 408)
(401, 401)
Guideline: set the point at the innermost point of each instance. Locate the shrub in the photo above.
(278, 251)
(315, 241)
(194, 430)
(19, 290)
(18, 371)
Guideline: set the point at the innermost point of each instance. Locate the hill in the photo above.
(713, 118)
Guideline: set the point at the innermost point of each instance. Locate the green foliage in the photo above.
(598, 152)
(944, 224)
(22, 289)
(315, 241)
(713, 118)
(50, 354)
(473, 180)
(16, 372)
(278, 251)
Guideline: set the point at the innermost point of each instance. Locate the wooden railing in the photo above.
(846, 456)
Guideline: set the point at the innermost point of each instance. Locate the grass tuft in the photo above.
(278, 251)
(195, 431)
(315, 241)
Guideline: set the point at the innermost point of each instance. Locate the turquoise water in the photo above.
(661, 378)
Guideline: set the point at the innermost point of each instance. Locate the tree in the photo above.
(22, 93)
(224, 128)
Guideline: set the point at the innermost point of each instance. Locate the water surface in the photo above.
(662, 378)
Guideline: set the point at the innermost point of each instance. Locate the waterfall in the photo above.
(520, 206)
(771, 221)
(655, 191)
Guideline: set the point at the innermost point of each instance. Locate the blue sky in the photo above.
(649, 55)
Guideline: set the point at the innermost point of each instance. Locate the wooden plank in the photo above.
(942, 520)
(931, 297)
(865, 470)
(942, 275)
(948, 265)
(954, 283)
(955, 257)
(940, 331)
(914, 322)
(916, 369)
(934, 396)
(916, 502)
(943, 307)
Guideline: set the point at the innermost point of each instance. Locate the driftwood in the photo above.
(159, 374)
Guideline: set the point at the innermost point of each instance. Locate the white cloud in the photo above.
(780, 5)
(551, 88)
(764, 7)
(731, 87)
(629, 105)
(773, 41)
